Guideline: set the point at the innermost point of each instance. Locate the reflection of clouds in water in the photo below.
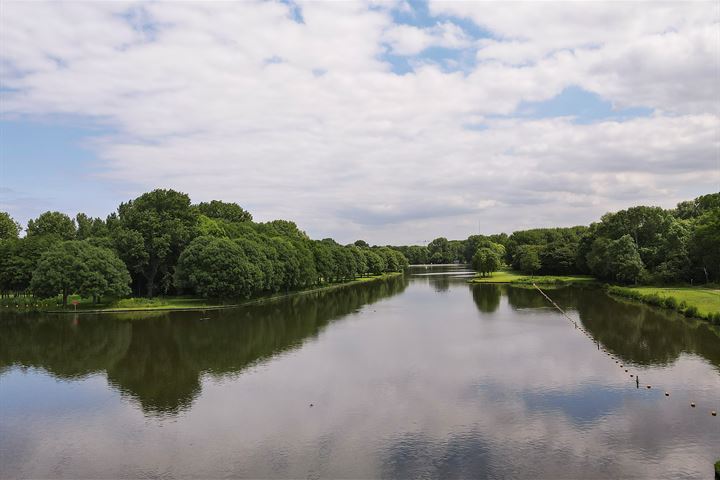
(413, 386)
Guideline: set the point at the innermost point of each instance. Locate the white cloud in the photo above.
(304, 120)
(411, 40)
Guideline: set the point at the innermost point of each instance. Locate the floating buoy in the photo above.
(667, 394)
(626, 370)
(692, 404)
(649, 386)
(311, 404)
(621, 366)
(631, 375)
(713, 413)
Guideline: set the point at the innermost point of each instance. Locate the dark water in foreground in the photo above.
(422, 376)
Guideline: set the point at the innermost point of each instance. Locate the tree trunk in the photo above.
(150, 277)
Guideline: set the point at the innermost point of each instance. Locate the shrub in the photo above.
(654, 299)
(670, 302)
(691, 311)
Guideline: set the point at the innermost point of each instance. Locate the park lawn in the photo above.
(507, 276)
(706, 300)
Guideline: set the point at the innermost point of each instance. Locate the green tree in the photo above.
(528, 259)
(559, 258)
(88, 227)
(166, 223)
(210, 227)
(486, 260)
(705, 244)
(76, 266)
(217, 268)
(376, 263)
(218, 210)
(9, 228)
(324, 260)
(441, 251)
(52, 223)
(625, 263)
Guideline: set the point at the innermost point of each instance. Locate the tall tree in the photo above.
(166, 223)
(706, 244)
(218, 268)
(78, 267)
(9, 228)
(528, 259)
(52, 224)
(230, 212)
(486, 260)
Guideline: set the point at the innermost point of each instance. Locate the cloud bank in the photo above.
(392, 122)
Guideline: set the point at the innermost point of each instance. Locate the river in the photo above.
(418, 376)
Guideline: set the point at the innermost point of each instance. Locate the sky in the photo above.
(395, 122)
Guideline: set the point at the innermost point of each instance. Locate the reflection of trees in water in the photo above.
(440, 283)
(486, 297)
(635, 332)
(64, 347)
(646, 335)
(159, 361)
(524, 297)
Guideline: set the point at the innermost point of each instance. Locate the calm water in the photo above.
(421, 376)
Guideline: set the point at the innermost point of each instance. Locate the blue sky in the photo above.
(448, 112)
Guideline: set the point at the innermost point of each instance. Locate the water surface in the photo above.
(416, 376)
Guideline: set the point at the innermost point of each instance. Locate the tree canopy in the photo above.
(76, 266)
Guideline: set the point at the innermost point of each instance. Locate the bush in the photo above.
(670, 302)
(691, 311)
(654, 299)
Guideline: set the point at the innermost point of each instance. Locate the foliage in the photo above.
(55, 224)
(166, 223)
(78, 267)
(218, 268)
(527, 259)
(230, 212)
(9, 228)
(486, 260)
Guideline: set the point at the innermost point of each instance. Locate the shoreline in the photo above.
(268, 298)
(685, 301)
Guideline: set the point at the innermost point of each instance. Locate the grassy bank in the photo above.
(694, 302)
(141, 304)
(506, 276)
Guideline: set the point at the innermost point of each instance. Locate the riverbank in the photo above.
(506, 276)
(162, 304)
(694, 302)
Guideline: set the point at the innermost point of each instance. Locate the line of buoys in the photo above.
(605, 350)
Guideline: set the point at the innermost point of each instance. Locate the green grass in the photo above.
(506, 276)
(706, 301)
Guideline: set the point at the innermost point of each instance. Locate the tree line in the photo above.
(161, 243)
(640, 244)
